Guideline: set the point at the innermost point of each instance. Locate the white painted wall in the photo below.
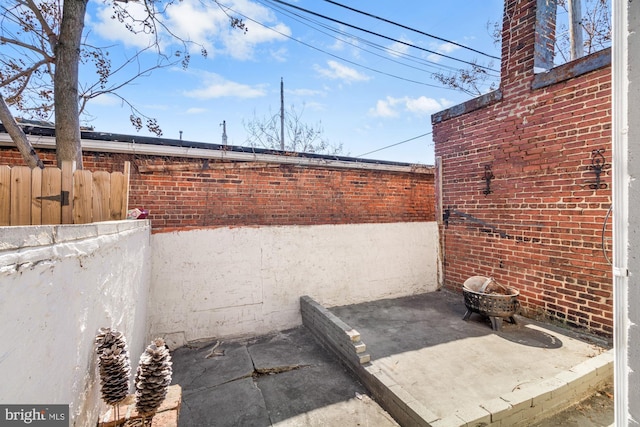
(219, 282)
(58, 285)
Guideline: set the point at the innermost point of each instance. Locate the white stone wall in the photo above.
(58, 285)
(221, 282)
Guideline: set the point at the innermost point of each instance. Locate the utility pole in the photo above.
(224, 132)
(575, 29)
(281, 114)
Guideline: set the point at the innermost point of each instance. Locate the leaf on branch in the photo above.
(468, 80)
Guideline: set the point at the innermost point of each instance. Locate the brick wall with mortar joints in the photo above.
(540, 230)
(224, 194)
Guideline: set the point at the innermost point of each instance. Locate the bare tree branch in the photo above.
(26, 46)
(24, 73)
(51, 36)
(301, 137)
(19, 137)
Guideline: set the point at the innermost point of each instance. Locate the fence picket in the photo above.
(5, 191)
(51, 187)
(21, 195)
(82, 193)
(36, 192)
(101, 197)
(117, 196)
(68, 169)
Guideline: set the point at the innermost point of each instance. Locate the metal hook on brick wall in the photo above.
(488, 176)
(597, 165)
(445, 217)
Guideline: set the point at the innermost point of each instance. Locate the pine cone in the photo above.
(113, 362)
(153, 377)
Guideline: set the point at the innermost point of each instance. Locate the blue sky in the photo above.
(356, 95)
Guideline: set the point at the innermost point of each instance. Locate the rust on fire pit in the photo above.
(485, 296)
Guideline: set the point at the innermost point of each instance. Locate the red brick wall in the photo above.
(182, 192)
(540, 230)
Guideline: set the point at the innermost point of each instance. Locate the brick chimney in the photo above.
(528, 37)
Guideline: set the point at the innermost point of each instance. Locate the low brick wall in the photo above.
(333, 332)
(182, 192)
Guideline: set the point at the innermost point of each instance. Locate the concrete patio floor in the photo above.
(285, 379)
(446, 371)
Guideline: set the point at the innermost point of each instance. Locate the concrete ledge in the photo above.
(34, 236)
(572, 69)
(167, 415)
(467, 107)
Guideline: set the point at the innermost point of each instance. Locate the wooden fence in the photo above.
(62, 196)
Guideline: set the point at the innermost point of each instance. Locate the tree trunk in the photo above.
(17, 135)
(67, 51)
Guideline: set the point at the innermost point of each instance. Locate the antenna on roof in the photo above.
(180, 135)
(281, 113)
(224, 132)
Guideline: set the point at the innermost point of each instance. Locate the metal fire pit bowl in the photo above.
(496, 306)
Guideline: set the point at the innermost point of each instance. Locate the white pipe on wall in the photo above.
(620, 78)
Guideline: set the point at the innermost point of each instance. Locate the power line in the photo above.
(380, 35)
(411, 29)
(397, 143)
(300, 18)
(336, 56)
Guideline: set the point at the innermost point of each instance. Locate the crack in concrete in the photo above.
(277, 370)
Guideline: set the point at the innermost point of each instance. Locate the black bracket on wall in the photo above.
(488, 176)
(445, 217)
(597, 165)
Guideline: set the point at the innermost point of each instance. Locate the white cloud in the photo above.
(195, 110)
(279, 55)
(444, 48)
(315, 106)
(338, 45)
(112, 30)
(337, 71)
(205, 24)
(216, 86)
(447, 48)
(160, 107)
(398, 49)
(446, 103)
(385, 108)
(106, 100)
(304, 92)
(421, 106)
